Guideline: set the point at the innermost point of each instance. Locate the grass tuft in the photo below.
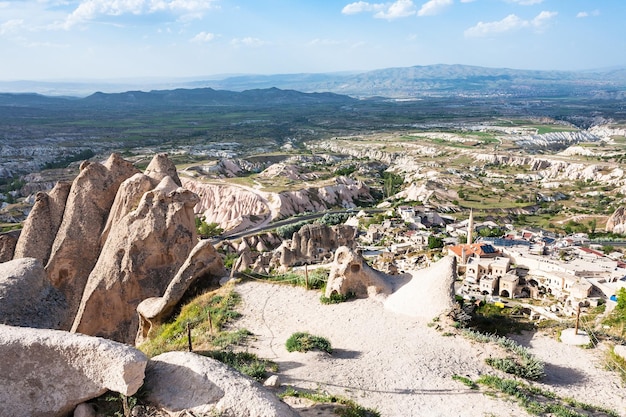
(304, 342)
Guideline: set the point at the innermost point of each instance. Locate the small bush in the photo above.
(304, 342)
(336, 298)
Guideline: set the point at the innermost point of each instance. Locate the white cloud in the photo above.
(90, 9)
(400, 8)
(434, 7)
(526, 2)
(248, 41)
(203, 37)
(541, 20)
(318, 41)
(510, 23)
(10, 26)
(361, 6)
(587, 14)
(467, 1)
(395, 10)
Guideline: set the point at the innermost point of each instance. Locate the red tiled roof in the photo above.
(480, 249)
(593, 252)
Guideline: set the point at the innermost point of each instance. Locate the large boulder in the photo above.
(349, 273)
(42, 224)
(184, 381)
(203, 264)
(142, 253)
(26, 296)
(47, 373)
(77, 244)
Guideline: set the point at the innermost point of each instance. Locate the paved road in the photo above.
(291, 220)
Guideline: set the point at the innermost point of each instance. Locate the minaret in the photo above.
(470, 228)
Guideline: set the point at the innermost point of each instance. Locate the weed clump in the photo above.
(304, 342)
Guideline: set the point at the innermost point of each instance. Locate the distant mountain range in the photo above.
(178, 98)
(409, 82)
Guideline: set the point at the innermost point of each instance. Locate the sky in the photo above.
(74, 40)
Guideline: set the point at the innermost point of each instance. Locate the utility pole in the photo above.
(577, 319)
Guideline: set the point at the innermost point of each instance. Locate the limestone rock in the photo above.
(142, 253)
(429, 293)
(26, 296)
(42, 224)
(8, 242)
(178, 381)
(49, 372)
(203, 263)
(350, 273)
(617, 221)
(77, 244)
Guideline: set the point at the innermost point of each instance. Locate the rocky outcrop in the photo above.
(349, 273)
(429, 293)
(290, 171)
(77, 244)
(8, 242)
(555, 140)
(203, 263)
(235, 208)
(314, 242)
(229, 206)
(617, 221)
(49, 372)
(26, 296)
(42, 224)
(142, 253)
(183, 381)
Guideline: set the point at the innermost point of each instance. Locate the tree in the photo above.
(621, 300)
(207, 230)
(435, 242)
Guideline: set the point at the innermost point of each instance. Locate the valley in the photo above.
(469, 213)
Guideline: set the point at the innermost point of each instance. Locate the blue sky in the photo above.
(117, 39)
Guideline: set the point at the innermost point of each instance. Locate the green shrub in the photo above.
(336, 298)
(524, 364)
(304, 342)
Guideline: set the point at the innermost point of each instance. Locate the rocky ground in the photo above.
(399, 364)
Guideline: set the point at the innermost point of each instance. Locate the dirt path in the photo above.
(398, 364)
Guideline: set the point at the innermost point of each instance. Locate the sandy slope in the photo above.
(398, 364)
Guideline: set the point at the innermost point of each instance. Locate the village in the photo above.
(496, 263)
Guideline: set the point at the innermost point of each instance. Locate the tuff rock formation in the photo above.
(8, 242)
(183, 381)
(314, 242)
(203, 263)
(429, 293)
(349, 273)
(142, 252)
(617, 221)
(42, 224)
(47, 373)
(236, 207)
(26, 296)
(77, 244)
